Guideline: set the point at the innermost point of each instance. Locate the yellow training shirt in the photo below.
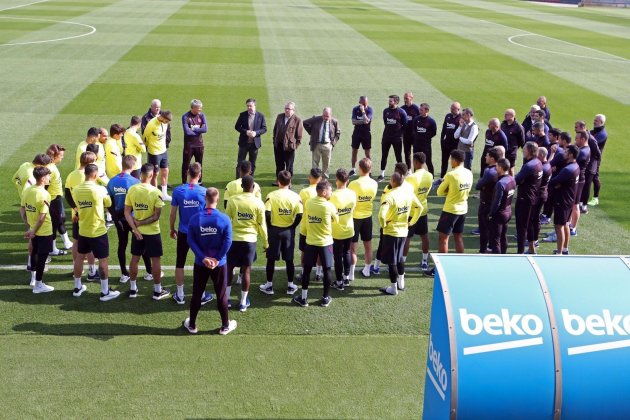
(319, 214)
(55, 187)
(113, 158)
(284, 205)
(154, 136)
(234, 188)
(421, 181)
(91, 200)
(135, 147)
(456, 187)
(100, 156)
(397, 206)
(143, 200)
(36, 201)
(23, 177)
(305, 195)
(365, 189)
(247, 214)
(73, 179)
(345, 201)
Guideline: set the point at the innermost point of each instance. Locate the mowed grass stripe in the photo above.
(476, 63)
(213, 377)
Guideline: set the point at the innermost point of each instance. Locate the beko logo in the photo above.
(436, 370)
(606, 325)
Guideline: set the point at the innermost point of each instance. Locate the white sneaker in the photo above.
(68, 245)
(149, 276)
(78, 292)
(389, 290)
(166, 197)
(43, 288)
(124, 279)
(32, 283)
(231, 327)
(366, 271)
(187, 326)
(112, 294)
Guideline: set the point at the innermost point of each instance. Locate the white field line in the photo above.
(23, 5)
(45, 41)
(115, 267)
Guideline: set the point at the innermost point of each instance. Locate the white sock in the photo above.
(291, 285)
(244, 298)
(92, 269)
(132, 285)
(401, 281)
(228, 291)
(318, 270)
(383, 172)
(268, 284)
(164, 189)
(377, 263)
(304, 294)
(29, 260)
(157, 288)
(404, 258)
(55, 249)
(33, 273)
(38, 283)
(104, 286)
(65, 238)
(180, 291)
(77, 283)
(351, 274)
(425, 257)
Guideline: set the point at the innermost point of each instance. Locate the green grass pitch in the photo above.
(68, 65)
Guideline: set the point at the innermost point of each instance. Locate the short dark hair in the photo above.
(247, 182)
(396, 98)
(565, 136)
(165, 113)
(582, 134)
(147, 169)
(420, 157)
(87, 157)
(252, 100)
(135, 120)
(284, 178)
(401, 168)
(54, 150)
(128, 162)
(540, 113)
(554, 132)
(573, 150)
(396, 179)
(342, 175)
(316, 173)
(90, 169)
(40, 172)
(245, 167)
(92, 132)
(457, 155)
(504, 164)
(194, 170)
(538, 126)
(322, 186)
(116, 129)
(494, 154)
(41, 159)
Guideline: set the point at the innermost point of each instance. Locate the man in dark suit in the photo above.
(287, 135)
(251, 125)
(324, 132)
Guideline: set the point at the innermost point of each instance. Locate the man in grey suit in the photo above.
(251, 125)
(324, 132)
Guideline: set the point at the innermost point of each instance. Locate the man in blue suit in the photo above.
(251, 125)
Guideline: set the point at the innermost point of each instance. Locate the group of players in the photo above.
(110, 183)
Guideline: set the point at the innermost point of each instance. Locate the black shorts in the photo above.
(98, 246)
(363, 228)
(182, 250)
(511, 157)
(42, 244)
(75, 231)
(561, 215)
(451, 223)
(392, 249)
(159, 161)
(421, 227)
(325, 254)
(281, 242)
(302, 243)
(241, 254)
(578, 191)
(149, 245)
(361, 139)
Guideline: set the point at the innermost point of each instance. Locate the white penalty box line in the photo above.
(506, 345)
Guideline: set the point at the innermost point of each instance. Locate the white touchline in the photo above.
(23, 5)
(505, 345)
(435, 384)
(45, 41)
(591, 348)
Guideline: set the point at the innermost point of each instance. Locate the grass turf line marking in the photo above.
(45, 41)
(14, 267)
(22, 5)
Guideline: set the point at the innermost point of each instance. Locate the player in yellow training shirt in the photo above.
(421, 180)
(398, 211)
(344, 200)
(57, 211)
(113, 151)
(154, 137)
(90, 200)
(365, 188)
(235, 187)
(283, 213)
(247, 213)
(314, 177)
(134, 145)
(319, 215)
(90, 138)
(455, 187)
(23, 177)
(35, 212)
(143, 207)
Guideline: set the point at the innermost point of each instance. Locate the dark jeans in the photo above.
(523, 212)
(386, 145)
(341, 253)
(407, 146)
(243, 152)
(484, 228)
(468, 158)
(188, 154)
(284, 159)
(498, 235)
(201, 274)
(428, 151)
(58, 216)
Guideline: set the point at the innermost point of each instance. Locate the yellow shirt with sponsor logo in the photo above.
(234, 188)
(421, 181)
(73, 179)
(135, 147)
(154, 136)
(284, 205)
(345, 201)
(113, 158)
(397, 207)
(247, 213)
(319, 215)
(455, 187)
(305, 195)
(23, 177)
(143, 200)
(365, 189)
(91, 200)
(36, 201)
(100, 157)
(55, 188)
